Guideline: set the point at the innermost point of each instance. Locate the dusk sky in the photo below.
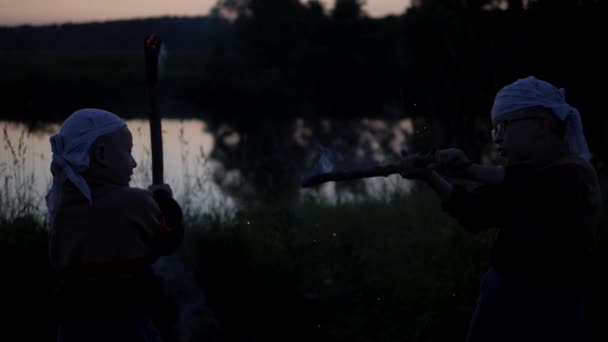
(17, 12)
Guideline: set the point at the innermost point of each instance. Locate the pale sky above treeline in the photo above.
(40, 12)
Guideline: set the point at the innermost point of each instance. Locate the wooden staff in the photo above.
(152, 47)
(416, 161)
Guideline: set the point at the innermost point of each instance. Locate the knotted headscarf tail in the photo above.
(530, 92)
(70, 149)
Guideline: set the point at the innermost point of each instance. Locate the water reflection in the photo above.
(191, 149)
(187, 145)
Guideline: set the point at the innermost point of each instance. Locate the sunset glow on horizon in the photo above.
(40, 12)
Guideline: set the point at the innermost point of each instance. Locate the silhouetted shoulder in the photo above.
(135, 200)
(573, 168)
(578, 179)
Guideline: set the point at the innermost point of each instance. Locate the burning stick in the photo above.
(152, 47)
(416, 161)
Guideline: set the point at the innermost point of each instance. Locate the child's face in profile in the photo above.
(517, 136)
(113, 152)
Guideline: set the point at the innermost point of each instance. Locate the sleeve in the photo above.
(158, 220)
(171, 232)
(475, 210)
(572, 203)
(488, 206)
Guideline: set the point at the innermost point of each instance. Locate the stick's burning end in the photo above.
(153, 41)
(152, 49)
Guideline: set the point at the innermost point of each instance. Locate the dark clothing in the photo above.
(509, 309)
(172, 217)
(546, 220)
(103, 253)
(80, 300)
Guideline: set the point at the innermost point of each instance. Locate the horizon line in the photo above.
(111, 20)
(104, 21)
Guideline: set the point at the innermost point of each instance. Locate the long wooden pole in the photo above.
(417, 161)
(373, 171)
(152, 48)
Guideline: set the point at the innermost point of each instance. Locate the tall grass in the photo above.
(365, 271)
(18, 197)
(194, 186)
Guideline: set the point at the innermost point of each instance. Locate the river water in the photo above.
(25, 156)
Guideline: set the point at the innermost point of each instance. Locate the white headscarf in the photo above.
(531, 92)
(71, 151)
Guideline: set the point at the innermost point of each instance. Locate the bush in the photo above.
(370, 271)
(26, 286)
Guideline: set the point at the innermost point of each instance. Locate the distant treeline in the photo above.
(181, 33)
(266, 61)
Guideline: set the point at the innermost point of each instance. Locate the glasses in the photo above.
(500, 128)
